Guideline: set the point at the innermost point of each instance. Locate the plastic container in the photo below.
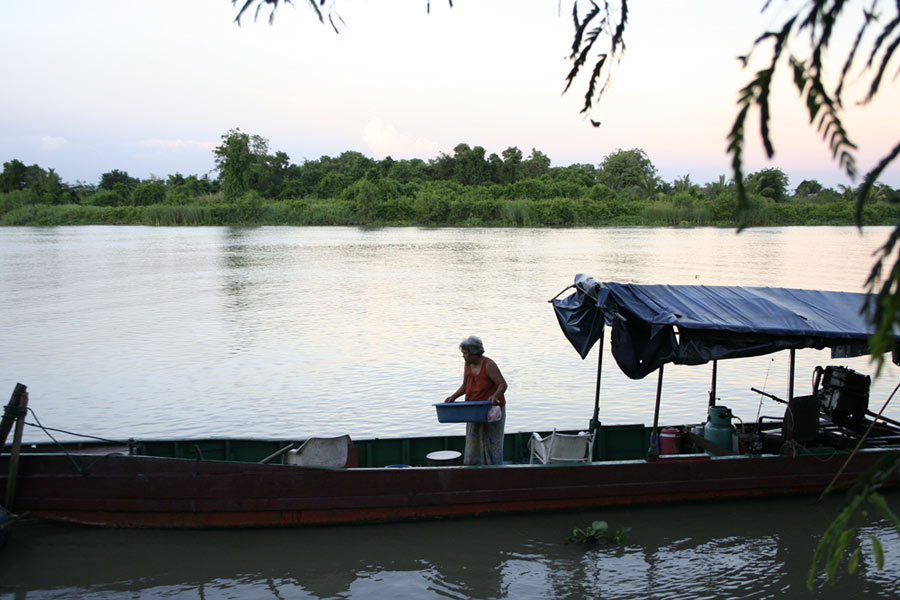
(463, 412)
(670, 440)
(443, 458)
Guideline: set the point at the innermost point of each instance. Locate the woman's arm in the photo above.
(462, 388)
(493, 373)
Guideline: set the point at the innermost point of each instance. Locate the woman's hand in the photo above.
(449, 399)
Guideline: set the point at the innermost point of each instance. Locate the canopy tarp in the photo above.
(694, 324)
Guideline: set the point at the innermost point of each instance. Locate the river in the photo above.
(287, 332)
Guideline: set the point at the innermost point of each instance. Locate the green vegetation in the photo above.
(599, 531)
(864, 502)
(465, 188)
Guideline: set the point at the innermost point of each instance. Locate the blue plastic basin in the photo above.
(463, 412)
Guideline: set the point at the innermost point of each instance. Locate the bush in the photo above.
(148, 192)
(558, 211)
(249, 206)
(395, 210)
(518, 212)
(167, 215)
(431, 207)
(105, 198)
(15, 199)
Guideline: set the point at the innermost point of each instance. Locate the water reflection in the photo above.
(754, 549)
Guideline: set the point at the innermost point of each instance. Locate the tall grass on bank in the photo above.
(430, 209)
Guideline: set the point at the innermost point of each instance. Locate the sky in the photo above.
(150, 86)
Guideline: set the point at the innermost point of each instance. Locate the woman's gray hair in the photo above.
(472, 345)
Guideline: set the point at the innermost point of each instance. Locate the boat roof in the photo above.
(694, 324)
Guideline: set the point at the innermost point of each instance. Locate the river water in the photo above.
(289, 332)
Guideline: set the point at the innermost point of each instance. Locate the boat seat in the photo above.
(330, 452)
(561, 447)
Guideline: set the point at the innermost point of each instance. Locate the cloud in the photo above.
(176, 144)
(384, 140)
(51, 144)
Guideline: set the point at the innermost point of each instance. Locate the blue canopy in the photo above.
(711, 322)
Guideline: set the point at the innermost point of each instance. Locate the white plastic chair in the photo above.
(321, 452)
(562, 447)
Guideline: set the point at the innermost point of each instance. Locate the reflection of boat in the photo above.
(235, 483)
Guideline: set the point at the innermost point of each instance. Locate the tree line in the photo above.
(468, 187)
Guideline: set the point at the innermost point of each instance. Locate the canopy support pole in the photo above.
(712, 390)
(791, 375)
(595, 420)
(653, 452)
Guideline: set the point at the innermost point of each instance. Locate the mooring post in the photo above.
(15, 411)
(11, 413)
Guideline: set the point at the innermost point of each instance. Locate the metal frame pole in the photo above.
(712, 391)
(791, 375)
(653, 451)
(595, 420)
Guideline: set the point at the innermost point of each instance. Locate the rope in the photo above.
(13, 411)
(81, 471)
(83, 435)
(765, 383)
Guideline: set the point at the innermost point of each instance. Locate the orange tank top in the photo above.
(479, 386)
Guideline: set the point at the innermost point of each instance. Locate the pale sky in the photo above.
(150, 86)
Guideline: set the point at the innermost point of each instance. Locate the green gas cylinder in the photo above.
(719, 429)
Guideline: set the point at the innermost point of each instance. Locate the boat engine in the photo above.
(843, 393)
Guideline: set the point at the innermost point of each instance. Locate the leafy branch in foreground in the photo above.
(314, 4)
(841, 534)
(604, 21)
(756, 92)
(881, 37)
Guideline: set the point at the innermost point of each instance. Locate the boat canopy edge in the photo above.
(694, 324)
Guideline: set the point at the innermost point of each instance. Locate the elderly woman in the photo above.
(482, 380)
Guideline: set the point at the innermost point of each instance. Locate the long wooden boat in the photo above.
(215, 483)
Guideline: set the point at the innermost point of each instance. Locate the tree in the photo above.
(512, 165)
(808, 187)
(405, 171)
(685, 185)
(768, 183)
(241, 162)
(535, 165)
(469, 166)
(46, 187)
(148, 192)
(14, 176)
(109, 180)
(627, 169)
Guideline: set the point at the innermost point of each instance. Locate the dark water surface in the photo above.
(734, 550)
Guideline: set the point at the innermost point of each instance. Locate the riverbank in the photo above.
(251, 210)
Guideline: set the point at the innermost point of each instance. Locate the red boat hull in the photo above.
(136, 491)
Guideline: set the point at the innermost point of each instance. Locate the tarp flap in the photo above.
(712, 322)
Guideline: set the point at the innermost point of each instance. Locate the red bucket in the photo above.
(670, 440)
